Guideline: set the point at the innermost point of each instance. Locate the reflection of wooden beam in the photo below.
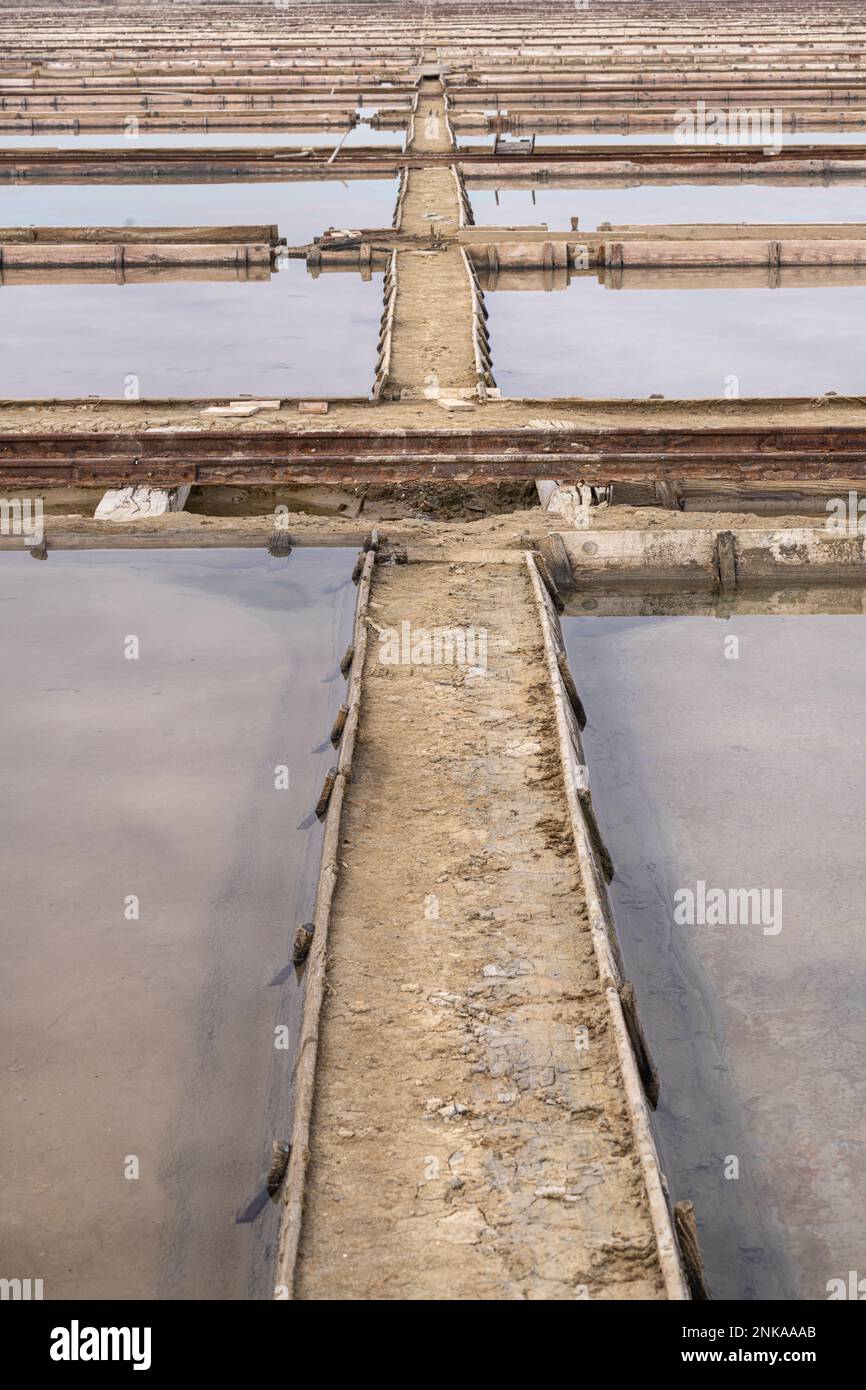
(661, 278)
(130, 261)
(154, 275)
(733, 278)
(798, 594)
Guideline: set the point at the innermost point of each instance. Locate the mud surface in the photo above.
(461, 1146)
(814, 411)
(152, 1038)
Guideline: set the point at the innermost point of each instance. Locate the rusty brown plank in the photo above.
(50, 165)
(373, 443)
(470, 154)
(736, 455)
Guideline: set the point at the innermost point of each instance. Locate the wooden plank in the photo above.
(129, 256)
(263, 234)
(738, 252)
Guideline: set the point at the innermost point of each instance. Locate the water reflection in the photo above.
(151, 1036)
(287, 336)
(742, 772)
(361, 134)
(301, 210)
(594, 341)
(734, 202)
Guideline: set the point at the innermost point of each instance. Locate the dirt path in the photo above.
(133, 417)
(431, 132)
(457, 534)
(432, 345)
(462, 1146)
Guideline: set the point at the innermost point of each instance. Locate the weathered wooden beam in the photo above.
(170, 458)
(126, 257)
(176, 163)
(261, 234)
(722, 561)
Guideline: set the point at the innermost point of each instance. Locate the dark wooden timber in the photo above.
(738, 454)
(267, 233)
(466, 154)
(191, 164)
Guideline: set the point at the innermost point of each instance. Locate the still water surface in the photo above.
(301, 211)
(735, 202)
(740, 773)
(152, 1038)
(588, 340)
(361, 134)
(291, 335)
(857, 136)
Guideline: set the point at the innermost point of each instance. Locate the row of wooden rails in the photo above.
(547, 67)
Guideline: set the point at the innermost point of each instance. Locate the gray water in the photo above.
(291, 335)
(302, 211)
(736, 202)
(361, 134)
(587, 340)
(740, 773)
(155, 1038)
(665, 137)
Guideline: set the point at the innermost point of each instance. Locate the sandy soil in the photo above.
(459, 525)
(432, 342)
(461, 1145)
(106, 416)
